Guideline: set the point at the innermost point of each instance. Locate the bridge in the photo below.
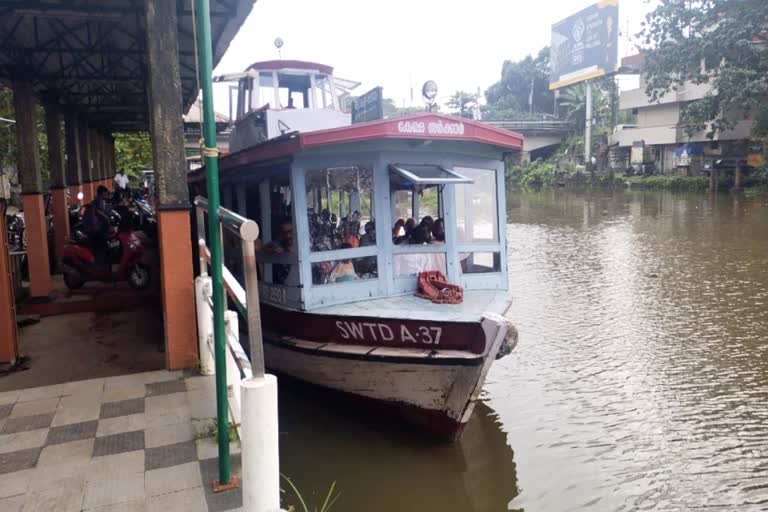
(541, 135)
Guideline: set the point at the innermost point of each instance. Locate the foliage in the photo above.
(7, 130)
(534, 174)
(133, 153)
(392, 110)
(462, 103)
(729, 38)
(330, 498)
(510, 97)
(605, 104)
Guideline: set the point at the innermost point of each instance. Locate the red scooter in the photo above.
(79, 261)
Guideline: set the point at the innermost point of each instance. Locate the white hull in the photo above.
(437, 390)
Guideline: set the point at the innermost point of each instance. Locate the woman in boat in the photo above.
(438, 232)
(344, 269)
(398, 230)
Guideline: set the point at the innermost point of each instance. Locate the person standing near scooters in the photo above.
(96, 225)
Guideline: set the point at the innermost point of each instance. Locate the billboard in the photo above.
(369, 106)
(585, 45)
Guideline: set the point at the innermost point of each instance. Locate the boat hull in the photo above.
(432, 390)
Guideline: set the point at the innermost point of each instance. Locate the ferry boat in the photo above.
(338, 272)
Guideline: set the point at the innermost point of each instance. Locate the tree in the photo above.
(723, 43)
(573, 103)
(462, 103)
(133, 153)
(511, 96)
(391, 110)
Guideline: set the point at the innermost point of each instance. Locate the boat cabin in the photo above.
(354, 213)
(281, 96)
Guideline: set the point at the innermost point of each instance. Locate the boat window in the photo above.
(416, 206)
(344, 270)
(476, 211)
(266, 88)
(480, 262)
(426, 174)
(324, 92)
(277, 253)
(411, 264)
(340, 208)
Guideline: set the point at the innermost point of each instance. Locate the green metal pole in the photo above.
(214, 233)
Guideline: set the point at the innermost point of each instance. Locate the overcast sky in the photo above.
(401, 43)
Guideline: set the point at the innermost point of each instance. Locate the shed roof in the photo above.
(91, 53)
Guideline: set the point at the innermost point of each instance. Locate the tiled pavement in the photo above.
(129, 443)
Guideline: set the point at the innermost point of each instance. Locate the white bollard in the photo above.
(204, 324)
(259, 442)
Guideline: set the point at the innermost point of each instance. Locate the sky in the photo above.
(399, 44)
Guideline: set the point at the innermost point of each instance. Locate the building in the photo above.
(662, 142)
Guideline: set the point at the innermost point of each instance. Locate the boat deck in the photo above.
(409, 307)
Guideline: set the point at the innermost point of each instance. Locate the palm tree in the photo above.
(573, 101)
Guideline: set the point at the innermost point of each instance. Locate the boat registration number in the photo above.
(379, 332)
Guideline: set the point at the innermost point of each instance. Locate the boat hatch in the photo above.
(427, 175)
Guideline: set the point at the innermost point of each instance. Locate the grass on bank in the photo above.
(543, 174)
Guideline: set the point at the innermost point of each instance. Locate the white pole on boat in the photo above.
(260, 458)
(203, 289)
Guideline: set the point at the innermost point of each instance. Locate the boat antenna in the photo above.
(279, 44)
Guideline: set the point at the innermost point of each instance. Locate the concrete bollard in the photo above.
(204, 324)
(260, 456)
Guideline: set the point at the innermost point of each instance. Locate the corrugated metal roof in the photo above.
(90, 53)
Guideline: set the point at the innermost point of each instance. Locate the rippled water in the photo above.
(640, 383)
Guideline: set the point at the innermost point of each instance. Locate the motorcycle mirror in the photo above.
(80, 196)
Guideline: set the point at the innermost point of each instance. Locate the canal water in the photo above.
(640, 381)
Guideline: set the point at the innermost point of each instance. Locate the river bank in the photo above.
(539, 174)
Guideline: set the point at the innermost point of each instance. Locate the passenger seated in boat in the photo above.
(398, 230)
(282, 245)
(420, 235)
(438, 232)
(344, 270)
(369, 238)
(409, 226)
(367, 266)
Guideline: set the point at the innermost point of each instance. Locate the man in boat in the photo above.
(283, 244)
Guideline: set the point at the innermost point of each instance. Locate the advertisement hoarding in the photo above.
(585, 45)
(369, 106)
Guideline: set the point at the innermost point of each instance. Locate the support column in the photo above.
(167, 132)
(28, 160)
(85, 159)
(74, 171)
(737, 177)
(9, 344)
(58, 179)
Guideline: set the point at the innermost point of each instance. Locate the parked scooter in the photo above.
(14, 224)
(79, 263)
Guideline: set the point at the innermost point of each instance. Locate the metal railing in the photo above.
(253, 402)
(247, 231)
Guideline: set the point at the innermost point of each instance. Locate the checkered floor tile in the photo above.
(123, 443)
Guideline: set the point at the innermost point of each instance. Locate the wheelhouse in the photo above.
(334, 208)
(281, 96)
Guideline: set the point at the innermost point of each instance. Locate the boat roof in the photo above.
(423, 126)
(277, 65)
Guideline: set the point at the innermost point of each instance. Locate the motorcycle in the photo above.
(79, 263)
(14, 225)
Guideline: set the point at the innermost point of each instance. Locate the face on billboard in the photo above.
(585, 45)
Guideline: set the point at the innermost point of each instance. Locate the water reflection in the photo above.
(378, 467)
(640, 383)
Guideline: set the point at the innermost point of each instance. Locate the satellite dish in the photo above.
(279, 42)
